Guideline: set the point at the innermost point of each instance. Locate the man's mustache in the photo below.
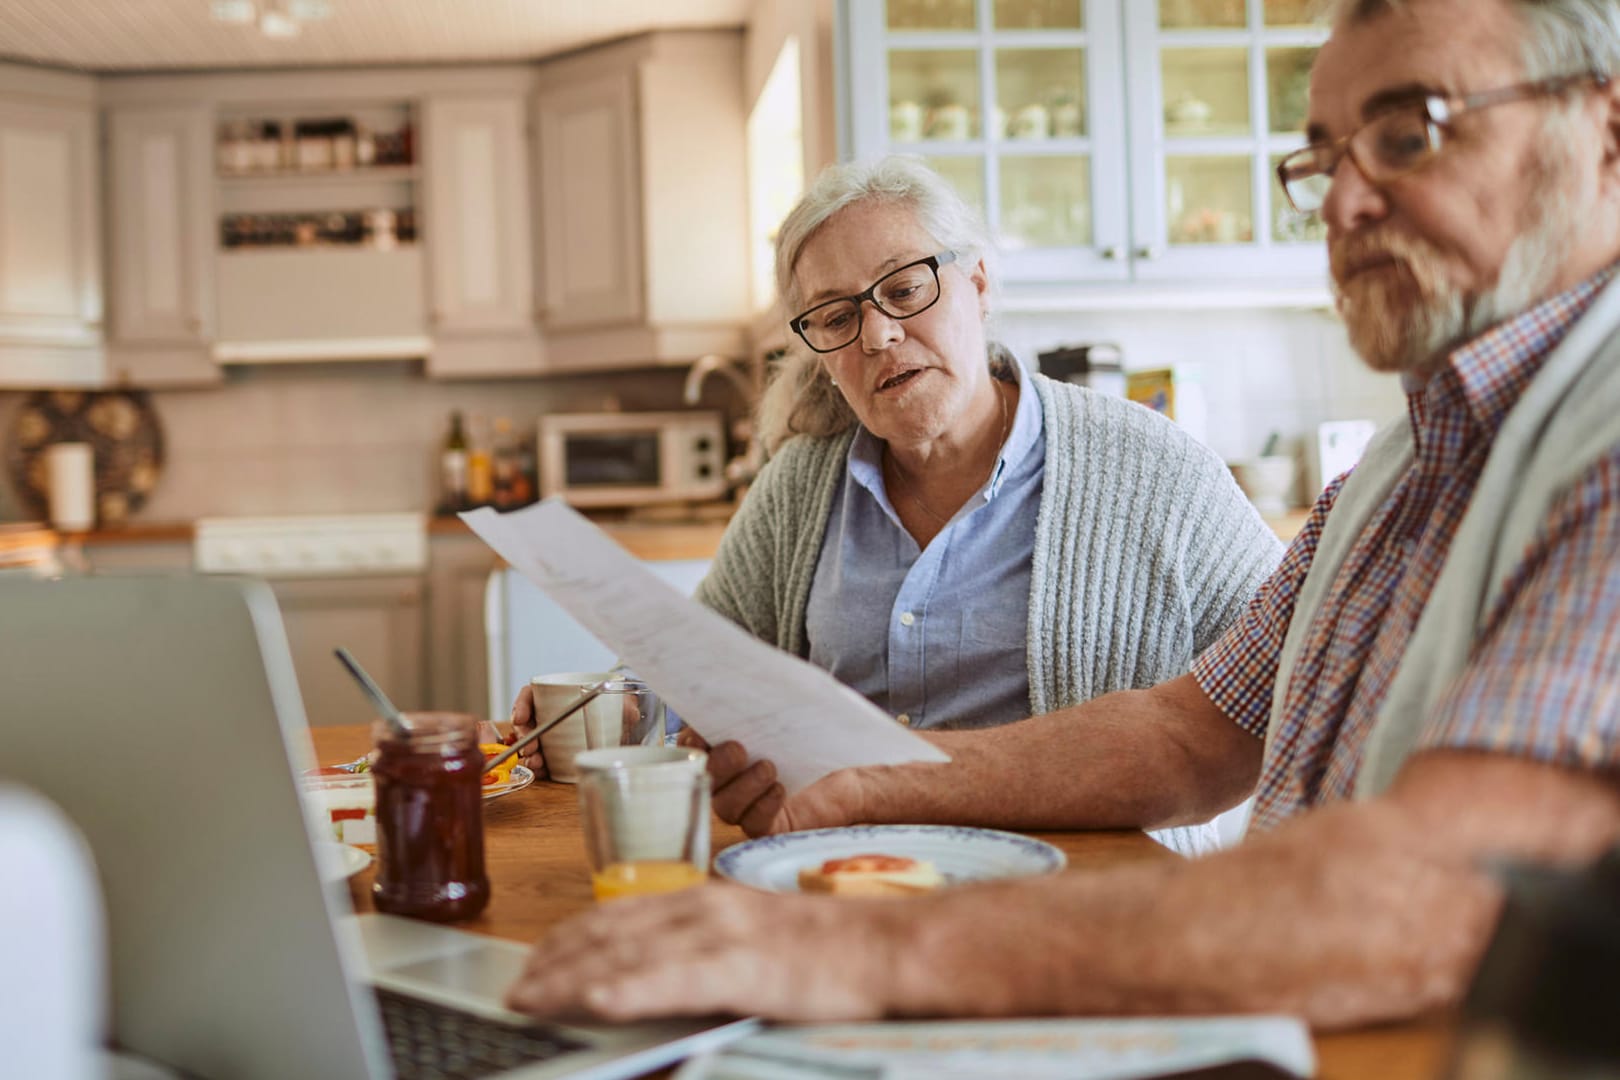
(1357, 254)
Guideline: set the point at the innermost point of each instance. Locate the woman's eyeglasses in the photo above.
(910, 290)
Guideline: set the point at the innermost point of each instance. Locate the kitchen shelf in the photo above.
(308, 249)
(356, 175)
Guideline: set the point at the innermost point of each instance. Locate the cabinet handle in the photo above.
(1149, 251)
(1112, 253)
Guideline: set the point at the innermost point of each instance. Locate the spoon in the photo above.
(591, 693)
(379, 700)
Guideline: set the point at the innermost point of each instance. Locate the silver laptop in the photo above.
(162, 715)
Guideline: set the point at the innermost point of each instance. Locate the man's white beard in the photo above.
(1408, 320)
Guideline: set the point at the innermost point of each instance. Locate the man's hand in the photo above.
(712, 950)
(750, 795)
(523, 722)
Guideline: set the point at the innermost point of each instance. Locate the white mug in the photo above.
(626, 711)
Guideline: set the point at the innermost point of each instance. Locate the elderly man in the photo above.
(1430, 681)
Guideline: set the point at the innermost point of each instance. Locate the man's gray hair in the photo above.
(799, 400)
(1562, 37)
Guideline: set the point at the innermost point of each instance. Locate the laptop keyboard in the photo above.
(432, 1042)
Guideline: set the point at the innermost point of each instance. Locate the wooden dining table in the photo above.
(536, 863)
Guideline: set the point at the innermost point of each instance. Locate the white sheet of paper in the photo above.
(724, 682)
(1099, 1049)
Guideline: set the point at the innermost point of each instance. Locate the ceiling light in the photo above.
(234, 11)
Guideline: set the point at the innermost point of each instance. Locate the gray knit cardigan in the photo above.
(1145, 549)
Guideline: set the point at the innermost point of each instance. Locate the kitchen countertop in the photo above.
(681, 533)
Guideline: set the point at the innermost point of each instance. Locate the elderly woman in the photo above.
(963, 542)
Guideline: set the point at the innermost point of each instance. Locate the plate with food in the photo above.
(353, 779)
(506, 777)
(885, 860)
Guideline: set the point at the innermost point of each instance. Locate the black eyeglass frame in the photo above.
(1440, 112)
(933, 262)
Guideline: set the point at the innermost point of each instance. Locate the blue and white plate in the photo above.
(522, 777)
(961, 854)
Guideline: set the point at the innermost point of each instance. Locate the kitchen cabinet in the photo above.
(50, 241)
(643, 201)
(459, 565)
(1107, 141)
(379, 619)
(317, 255)
(162, 279)
(477, 222)
(344, 215)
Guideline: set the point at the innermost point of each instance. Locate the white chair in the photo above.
(529, 634)
(53, 948)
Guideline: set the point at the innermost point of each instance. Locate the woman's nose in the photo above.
(879, 331)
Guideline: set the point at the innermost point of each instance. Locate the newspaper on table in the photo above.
(1128, 1049)
(722, 681)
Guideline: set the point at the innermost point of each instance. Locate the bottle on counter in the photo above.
(527, 476)
(504, 466)
(453, 466)
(365, 146)
(480, 466)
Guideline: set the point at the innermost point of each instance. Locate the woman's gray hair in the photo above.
(798, 399)
(1562, 37)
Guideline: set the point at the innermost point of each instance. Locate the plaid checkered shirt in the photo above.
(1543, 679)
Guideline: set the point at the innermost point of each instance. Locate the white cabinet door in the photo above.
(1105, 140)
(162, 207)
(590, 203)
(50, 269)
(477, 227)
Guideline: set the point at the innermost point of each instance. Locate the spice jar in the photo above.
(430, 824)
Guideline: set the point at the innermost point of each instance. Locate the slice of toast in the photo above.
(871, 875)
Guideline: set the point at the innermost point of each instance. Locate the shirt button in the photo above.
(907, 618)
(905, 719)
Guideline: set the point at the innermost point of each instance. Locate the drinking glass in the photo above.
(645, 815)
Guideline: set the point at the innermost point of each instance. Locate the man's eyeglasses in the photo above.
(1402, 139)
(910, 290)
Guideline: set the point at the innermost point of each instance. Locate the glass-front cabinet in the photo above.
(1104, 140)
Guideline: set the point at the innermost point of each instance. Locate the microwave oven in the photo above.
(632, 458)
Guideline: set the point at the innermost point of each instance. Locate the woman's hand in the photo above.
(717, 949)
(523, 722)
(750, 796)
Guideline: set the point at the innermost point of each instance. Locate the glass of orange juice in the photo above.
(645, 813)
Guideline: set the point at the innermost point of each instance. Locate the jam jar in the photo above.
(430, 823)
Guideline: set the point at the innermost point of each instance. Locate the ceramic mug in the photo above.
(626, 713)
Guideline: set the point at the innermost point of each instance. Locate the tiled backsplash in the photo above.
(359, 438)
(1263, 372)
(342, 438)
